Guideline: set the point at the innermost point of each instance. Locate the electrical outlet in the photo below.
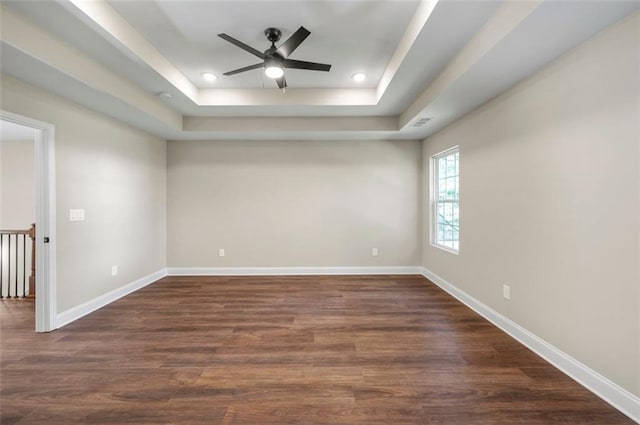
(221, 252)
(114, 270)
(374, 252)
(506, 292)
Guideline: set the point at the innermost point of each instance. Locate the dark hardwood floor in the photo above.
(282, 350)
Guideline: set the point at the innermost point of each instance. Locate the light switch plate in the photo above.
(76, 215)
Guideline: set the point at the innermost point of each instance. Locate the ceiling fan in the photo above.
(276, 59)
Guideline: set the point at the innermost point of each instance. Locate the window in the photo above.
(445, 200)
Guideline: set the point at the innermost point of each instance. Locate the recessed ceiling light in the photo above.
(359, 77)
(274, 72)
(208, 76)
(165, 95)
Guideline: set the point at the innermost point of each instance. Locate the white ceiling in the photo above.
(436, 59)
(350, 35)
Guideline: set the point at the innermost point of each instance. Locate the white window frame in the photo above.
(434, 191)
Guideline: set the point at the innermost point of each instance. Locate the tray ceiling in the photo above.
(424, 59)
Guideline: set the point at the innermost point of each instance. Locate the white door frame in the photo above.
(45, 178)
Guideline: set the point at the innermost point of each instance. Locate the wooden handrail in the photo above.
(17, 232)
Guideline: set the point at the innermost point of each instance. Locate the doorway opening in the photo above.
(27, 216)
(17, 212)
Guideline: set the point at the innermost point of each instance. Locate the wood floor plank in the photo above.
(282, 350)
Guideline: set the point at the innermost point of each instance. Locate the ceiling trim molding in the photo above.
(419, 20)
(297, 97)
(40, 45)
(290, 124)
(505, 20)
(103, 18)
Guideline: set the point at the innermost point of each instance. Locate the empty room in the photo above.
(322, 212)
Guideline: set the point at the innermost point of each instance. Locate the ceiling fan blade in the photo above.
(312, 66)
(241, 45)
(246, 68)
(293, 42)
(282, 82)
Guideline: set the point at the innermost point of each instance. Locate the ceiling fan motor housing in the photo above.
(273, 34)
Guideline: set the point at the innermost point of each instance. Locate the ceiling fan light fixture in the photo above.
(274, 72)
(208, 76)
(359, 77)
(276, 59)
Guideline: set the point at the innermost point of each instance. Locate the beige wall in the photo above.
(17, 184)
(293, 203)
(118, 175)
(550, 204)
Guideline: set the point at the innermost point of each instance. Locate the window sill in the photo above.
(447, 249)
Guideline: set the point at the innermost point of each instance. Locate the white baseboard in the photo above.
(83, 309)
(271, 271)
(607, 390)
